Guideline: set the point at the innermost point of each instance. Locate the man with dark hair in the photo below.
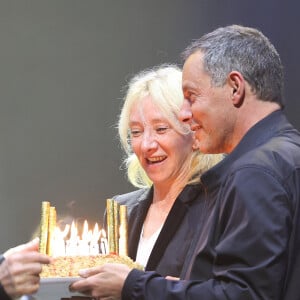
(249, 242)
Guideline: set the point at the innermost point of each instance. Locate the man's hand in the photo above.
(19, 272)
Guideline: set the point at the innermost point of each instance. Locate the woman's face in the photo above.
(163, 152)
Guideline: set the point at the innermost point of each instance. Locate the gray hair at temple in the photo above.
(163, 84)
(246, 50)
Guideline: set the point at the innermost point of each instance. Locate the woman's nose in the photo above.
(149, 142)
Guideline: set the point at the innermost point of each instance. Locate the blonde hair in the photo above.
(163, 85)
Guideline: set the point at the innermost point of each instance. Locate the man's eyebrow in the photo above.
(188, 85)
(188, 89)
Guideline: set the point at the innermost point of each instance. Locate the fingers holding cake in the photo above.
(102, 281)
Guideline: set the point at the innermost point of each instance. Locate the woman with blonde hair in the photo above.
(162, 161)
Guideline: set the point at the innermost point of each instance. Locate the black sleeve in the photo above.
(3, 295)
(251, 236)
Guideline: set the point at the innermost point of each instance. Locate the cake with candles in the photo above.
(72, 252)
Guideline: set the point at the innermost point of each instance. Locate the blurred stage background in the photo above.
(64, 66)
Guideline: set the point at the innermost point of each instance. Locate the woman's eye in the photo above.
(135, 132)
(161, 129)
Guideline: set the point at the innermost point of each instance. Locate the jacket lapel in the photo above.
(169, 229)
(136, 221)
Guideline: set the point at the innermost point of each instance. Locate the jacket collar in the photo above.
(170, 227)
(269, 126)
(175, 216)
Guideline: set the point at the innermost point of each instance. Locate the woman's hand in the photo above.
(103, 282)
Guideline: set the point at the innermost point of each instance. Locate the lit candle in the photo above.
(103, 243)
(58, 242)
(94, 246)
(72, 247)
(72, 243)
(83, 248)
(83, 244)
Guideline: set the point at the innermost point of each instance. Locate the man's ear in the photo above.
(236, 83)
(195, 144)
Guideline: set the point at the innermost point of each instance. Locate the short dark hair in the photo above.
(246, 50)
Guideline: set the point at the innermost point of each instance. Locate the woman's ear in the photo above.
(236, 84)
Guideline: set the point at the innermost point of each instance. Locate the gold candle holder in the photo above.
(44, 227)
(123, 244)
(51, 227)
(110, 225)
(116, 225)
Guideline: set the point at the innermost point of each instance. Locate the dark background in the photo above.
(63, 68)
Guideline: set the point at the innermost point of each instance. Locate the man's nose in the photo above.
(185, 113)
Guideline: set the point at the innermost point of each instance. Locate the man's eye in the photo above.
(190, 97)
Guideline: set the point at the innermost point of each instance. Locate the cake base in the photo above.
(68, 266)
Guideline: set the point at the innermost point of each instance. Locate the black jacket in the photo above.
(169, 254)
(249, 245)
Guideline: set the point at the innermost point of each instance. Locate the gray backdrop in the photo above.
(64, 65)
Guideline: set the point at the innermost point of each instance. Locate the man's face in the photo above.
(207, 109)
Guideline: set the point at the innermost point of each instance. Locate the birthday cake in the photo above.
(68, 266)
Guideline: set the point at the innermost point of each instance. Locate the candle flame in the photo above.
(86, 233)
(96, 233)
(85, 244)
(74, 232)
(58, 234)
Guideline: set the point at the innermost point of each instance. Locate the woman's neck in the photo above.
(164, 196)
(167, 192)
